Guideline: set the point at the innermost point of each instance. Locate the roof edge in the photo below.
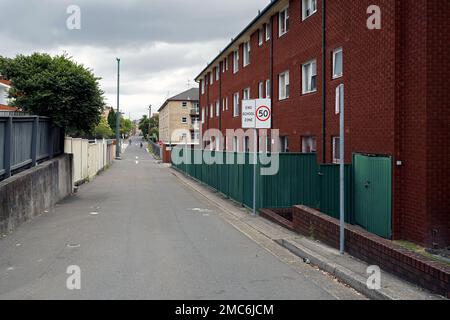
(236, 39)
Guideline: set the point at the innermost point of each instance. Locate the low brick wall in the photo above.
(31, 192)
(281, 216)
(374, 250)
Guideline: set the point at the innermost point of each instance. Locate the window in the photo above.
(309, 77)
(247, 144)
(236, 61)
(226, 103)
(246, 95)
(184, 104)
(336, 150)
(236, 104)
(268, 31)
(217, 108)
(260, 37)
(235, 144)
(284, 85)
(203, 115)
(284, 144)
(217, 73)
(203, 85)
(246, 53)
(267, 88)
(223, 65)
(309, 144)
(211, 111)
(283, 21)
(261, 90)
(338, 69)
(309, 7)
(184, 120)
(226, 63)
(211, 78)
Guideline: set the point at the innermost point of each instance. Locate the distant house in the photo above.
(5, 85)
(180, 112)
(179, 120)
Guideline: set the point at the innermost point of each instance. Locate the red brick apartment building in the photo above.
(397, 93)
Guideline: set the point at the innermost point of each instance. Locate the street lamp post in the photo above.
(149, 117)
(118, 143)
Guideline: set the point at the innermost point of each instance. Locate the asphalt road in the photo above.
(136, 232)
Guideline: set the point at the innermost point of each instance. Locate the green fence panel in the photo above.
(295, 183)
(330, 191)
(300, 180)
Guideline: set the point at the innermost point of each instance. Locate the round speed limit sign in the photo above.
(263, 113)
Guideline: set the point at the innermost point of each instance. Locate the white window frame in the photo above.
(246, 94)
(283, 93)
(268, 88)
(211, 78)
(260, 37)
(226, 103)
(217, 108)
(268, 31)
(217, 73)
(235, 144)
(236, 61)
(211, 111)
(284, 144)
(184, 120)
(283, 24)
(203, 115)
(226, 63)
(246, 54)
(236, 104)
(307, 76)
(335, 53)
(309, 142)
(310, 5)
(203, 85)
(336, 149)
(261, 90)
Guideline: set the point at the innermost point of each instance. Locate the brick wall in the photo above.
(374, 250)
(396, 93)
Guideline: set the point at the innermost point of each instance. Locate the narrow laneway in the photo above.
(136, 232)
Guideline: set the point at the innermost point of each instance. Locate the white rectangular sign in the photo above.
(257, 114)
(248, 114)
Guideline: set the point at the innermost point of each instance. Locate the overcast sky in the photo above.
(162, 43)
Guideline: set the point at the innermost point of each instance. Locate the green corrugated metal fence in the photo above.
(300, 180)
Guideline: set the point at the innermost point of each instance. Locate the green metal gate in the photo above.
(373, 193)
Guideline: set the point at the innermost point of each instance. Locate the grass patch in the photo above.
(421, 250)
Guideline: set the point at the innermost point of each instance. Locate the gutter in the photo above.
(324, 75)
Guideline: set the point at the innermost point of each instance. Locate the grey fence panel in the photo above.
(22, 135)
(28, 143)
(42, 140)
(2, 146)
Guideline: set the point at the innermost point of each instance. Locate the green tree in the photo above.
(103, 130)
(150, 127)
(56, 87)
(126, 126)
(144, 125)
(112, 119)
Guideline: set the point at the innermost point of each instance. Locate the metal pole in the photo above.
(255, 159)
(118, 144)
(342, 168)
